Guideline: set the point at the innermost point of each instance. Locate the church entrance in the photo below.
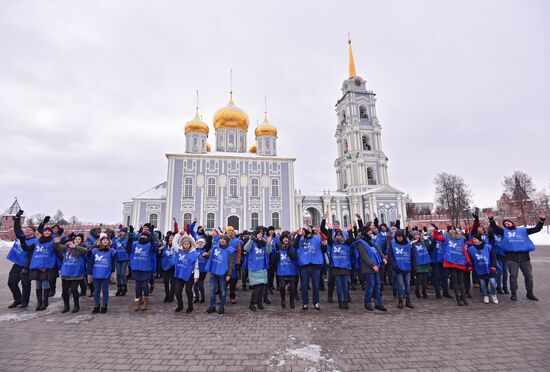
(233, 221)
(312, 216)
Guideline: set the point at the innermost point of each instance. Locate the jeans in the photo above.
(142, 288)
(306, 274)
(403, 279)
(527, 271)
(421, 282)
(101, 285)
(342, 287)
(502, 277)
(440, 275)
(42, 284)
(121, 267)
(15, 276)
(483, 286)
(217, 281)
(373, 285)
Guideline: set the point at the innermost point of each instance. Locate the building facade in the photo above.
(244, 189)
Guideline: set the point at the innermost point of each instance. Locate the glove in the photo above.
(19, 213)
(46, 220)
(493, 269)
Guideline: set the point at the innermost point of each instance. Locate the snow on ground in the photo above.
(5, 245)
(307, 352)
(542, 237)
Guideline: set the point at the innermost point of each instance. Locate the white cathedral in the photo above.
(235, 187)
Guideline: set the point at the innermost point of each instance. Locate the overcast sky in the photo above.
(93, 94)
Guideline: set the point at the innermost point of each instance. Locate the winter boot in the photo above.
(45, 299)
(505, 290)
(145, 304)
(96, 309)
(340, 305)
(76, 307)
(417, 293)
(103, 309)
(345, 305)
(66, 307)
(409, 304)
(531, 296)
(179, 308)
(124, 290)
(119, 290)
(400, 304)
(513, 296)
(189, 309)
(38, 299)
(137, 304)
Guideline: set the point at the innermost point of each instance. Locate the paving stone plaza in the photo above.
(436, 335)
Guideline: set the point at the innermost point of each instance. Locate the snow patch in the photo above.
(16, 317)
(542, 237)
(79, 319)
(311, 353)
(5, 245)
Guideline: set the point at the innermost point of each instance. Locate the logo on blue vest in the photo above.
(98, 258)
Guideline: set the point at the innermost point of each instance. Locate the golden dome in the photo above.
(265, 129)
(231, 116)
(252, 148)
(208, 147)
(196, 125)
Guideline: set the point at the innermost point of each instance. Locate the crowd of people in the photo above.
(375, 256)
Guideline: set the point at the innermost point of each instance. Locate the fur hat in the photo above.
(400, 232)
(81, 236)
(103, 235)
(189, 240)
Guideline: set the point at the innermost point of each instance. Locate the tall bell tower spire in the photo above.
(352, 72)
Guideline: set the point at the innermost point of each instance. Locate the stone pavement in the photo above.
(437, 335)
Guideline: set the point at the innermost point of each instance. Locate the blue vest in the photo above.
(142, 257)
(73, 266)
(167, 258)
(381, 238)
(481, 258)
(218, 261)
(340, 256)
(102, 263)
(421, 254)
(402, 255)
(17, 255)
(202, 261)
(437, 252)
(43, 256)
(516, 240)
(184, 263)
(258, 259)
(309, 251)
(120, 248)
(452, 251)
(372, 252)
(499, 250)
(286, 266)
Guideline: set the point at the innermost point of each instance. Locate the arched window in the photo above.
(346, 146)
(210, 220)
(255, 187)
(370, 176)
(343, 118)
(186, 219)
(363, 112)
(233, 190)
(275, 220)
(128, 221)
(382, 217)
(231, 140)
(211, 187)
(345, 220)
(188, 187)
(154, 219)
(366, 145)
(275, 187)
(254, 220)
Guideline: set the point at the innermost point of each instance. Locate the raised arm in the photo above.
(540, 224)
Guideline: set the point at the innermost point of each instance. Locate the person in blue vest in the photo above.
(456, 260)
(235, 244)
(167, 264)
(220, 263)
(90, 243)
(331, 279)
(484, 263)
(311, 250)
(371, 259)
(42, 266)
(271, 277)
(258, 252)
(340, 251)
(285, 268)
(142, 262)
(244, 263)
(517, 245)
(502, 273)
(57, 231)
(123, 247)
(19, 255)
(202, 247)
(72, 270)
(402, 258)
(440, 275)
(423, 261)
(186, 270)
(101, 265)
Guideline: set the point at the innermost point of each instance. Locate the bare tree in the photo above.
(520, 188)
(411, 207)
(57, 217)
(74, 221)
(452, 195)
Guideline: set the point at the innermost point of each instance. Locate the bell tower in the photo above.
(361, 164)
